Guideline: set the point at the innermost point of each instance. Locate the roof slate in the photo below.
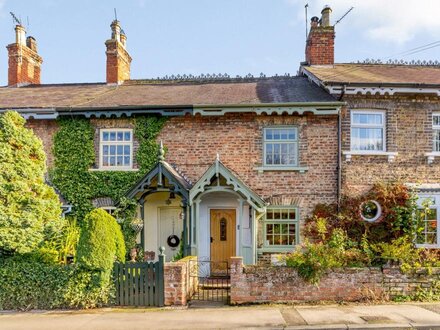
(377, 74)
(164, 93)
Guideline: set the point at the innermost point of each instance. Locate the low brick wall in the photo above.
(179, 285)
(261, 284)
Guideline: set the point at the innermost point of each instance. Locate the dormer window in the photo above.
(116, 149)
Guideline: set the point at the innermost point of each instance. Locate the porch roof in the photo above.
(217, 169)
(162, 170)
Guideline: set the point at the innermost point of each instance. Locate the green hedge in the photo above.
(27, 283)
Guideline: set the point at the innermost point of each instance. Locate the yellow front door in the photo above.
(222, 239)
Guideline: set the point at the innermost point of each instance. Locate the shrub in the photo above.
(101, 242)
(28, 283)
(398, 208)
(30, 211)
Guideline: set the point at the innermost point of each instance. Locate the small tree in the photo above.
(30, 210)
(101, 242)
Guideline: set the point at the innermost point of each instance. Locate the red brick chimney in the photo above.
(118, 59)
(320, 46)
(24, 61)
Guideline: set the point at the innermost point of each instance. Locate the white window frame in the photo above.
(383, 126)
(116, 143)
(296, 141)
(436, 205)
(434, 129)
(281, 248)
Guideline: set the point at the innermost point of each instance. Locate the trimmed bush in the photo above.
(101, 242)
(27, 283)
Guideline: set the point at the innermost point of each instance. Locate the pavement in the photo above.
(390, 316)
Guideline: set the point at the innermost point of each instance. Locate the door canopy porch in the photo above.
(163, 177)
(219, 178)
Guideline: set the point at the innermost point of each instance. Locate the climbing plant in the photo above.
(74, 152)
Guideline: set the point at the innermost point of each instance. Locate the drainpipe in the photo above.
(339, 167)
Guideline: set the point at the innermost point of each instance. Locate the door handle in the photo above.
(212, 240)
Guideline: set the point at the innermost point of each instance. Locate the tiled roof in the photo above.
(241, 91)
(377, 74)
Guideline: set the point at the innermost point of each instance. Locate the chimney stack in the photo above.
(320, 45)
(23, 60)
(118, 59)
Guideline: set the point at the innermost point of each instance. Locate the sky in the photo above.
(237, 37)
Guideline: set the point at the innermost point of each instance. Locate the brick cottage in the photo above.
(247, 159)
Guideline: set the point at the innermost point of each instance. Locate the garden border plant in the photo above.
(340, 238)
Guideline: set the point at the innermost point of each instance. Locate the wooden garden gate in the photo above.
(140, 283)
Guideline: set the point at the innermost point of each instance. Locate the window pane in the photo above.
(276, 134)
(436, 120)
(269, 229)
(112, 150)
(105, 150)
(120, 150)
(112, 161)
(284, 134)
(436, 133)
(105, 136)
(127, 136)
(367, 139)
(268, 134)
(269, 215)
(368, 118)
(112, 136)
(105, 161)
(127, 161)
(276, 215)
(120, 136)
(292, 215)
(276, 228)
(127, 150)
(292, 134)
(284, 215)
(120, 160)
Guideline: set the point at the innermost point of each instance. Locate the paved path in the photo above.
(393, 316)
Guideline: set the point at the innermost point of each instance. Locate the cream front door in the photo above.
(169, 224)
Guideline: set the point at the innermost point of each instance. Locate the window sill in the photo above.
(272, 249)
(301, 169)
(113, 169)
(428, 246)
(431, 156)
(390, 154)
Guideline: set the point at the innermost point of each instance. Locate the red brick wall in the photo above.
(193, 143)
(262, 284)
(408, 131)
(179, 285)
(320, 46)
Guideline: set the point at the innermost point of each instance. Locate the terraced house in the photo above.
(389, 127)
(246, 160)
(243, 161)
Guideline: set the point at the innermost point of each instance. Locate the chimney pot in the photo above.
(314, 21)
(20, 35)
(31, 43)
(325, 19)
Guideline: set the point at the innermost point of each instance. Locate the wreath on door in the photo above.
(173, 241)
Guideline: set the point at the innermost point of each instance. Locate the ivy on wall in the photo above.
(74, 154)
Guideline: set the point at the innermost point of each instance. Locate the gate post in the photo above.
(160, 294)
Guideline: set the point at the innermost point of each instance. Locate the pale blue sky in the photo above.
(206, 36)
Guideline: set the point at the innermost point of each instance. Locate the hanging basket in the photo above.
(137, 225)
